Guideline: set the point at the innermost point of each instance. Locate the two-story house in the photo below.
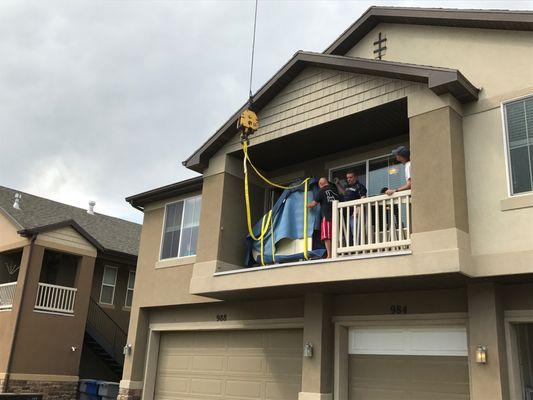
(429, 291)
(66, 287)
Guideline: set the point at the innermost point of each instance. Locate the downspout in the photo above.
(17, 317)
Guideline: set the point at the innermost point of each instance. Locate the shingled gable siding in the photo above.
(319, 95)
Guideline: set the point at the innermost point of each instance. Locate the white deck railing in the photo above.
(372, 225)
(7, 293)
(54, 298)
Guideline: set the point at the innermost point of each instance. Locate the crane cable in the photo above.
(267, 220)
(252, 58)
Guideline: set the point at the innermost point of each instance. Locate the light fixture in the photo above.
(481, 354)
(308, 350)
(127, 350)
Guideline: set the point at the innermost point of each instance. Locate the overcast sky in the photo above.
(104, 99)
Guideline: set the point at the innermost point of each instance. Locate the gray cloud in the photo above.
(103, 99)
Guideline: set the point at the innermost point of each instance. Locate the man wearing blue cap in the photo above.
(402, 155)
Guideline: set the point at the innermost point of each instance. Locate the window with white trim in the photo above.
(109, 282)
(377, 174)
(519, 135)
(129, 289)
(180, 231)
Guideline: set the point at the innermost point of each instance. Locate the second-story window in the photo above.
(180, 232)
(129, 289)
(109, 281)
(519, 126)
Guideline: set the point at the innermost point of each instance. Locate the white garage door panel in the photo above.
(230, 365)
(438, 341)
(378, 377)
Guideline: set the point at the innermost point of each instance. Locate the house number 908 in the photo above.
(398, 309)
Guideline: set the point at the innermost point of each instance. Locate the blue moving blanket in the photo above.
(288, 223)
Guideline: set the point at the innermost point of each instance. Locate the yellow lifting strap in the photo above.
(267, 219)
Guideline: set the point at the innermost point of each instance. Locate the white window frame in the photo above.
(131, 271)
(507, 148)
(181, 229)
(114, 286)
(365, 161)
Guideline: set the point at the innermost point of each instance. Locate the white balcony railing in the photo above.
(372, 225)
(54, 298)
(7, 293)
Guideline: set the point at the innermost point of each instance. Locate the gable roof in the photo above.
(440, 80)
(486, 19)
(37, 214)
(164, 192)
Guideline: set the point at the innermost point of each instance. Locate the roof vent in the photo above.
(92, 203)
(16, 204)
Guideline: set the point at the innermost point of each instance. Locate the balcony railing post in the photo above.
(54, 298)
(334, 228)
(381, 224)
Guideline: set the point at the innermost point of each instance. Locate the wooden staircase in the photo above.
(105, 337)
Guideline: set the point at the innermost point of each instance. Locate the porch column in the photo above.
(9, 320)
(438, 171)
(317, 371)
(486, 327)
(131, 384)
(439, 197)
(223, 223)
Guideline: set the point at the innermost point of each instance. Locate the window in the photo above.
(180, 232)
(376, 174)
(519, 128)
(129, 289)
(109, 281)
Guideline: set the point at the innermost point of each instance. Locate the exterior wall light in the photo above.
(127, 350)
(308, 350)
(481, 354)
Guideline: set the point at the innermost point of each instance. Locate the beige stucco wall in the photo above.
(166, 282)
(9, 238)
(497, 61)
(493, 230)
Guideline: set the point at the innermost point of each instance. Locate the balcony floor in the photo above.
(319, 261)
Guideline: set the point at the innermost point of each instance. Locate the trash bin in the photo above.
(108, 389)
(89, 386)
(85, 396)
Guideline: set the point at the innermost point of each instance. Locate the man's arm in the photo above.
(407, 186)
(312, 204)
(340, 188)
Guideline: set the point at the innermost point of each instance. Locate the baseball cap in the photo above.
(401, 151)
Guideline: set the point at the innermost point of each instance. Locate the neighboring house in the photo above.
(66, 286)
(436, 305)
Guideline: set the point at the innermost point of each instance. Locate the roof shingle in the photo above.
(110, 233)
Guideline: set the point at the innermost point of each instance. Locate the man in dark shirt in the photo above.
(355, 189)
(325, 197)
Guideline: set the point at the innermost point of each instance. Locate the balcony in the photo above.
(56, 291)
(406, 235)
(7, 294)
(55, 299)
(372, 226)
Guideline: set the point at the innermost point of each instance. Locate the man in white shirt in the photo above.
(402, 155)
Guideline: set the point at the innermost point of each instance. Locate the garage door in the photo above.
(408, 364)
(262, 364)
